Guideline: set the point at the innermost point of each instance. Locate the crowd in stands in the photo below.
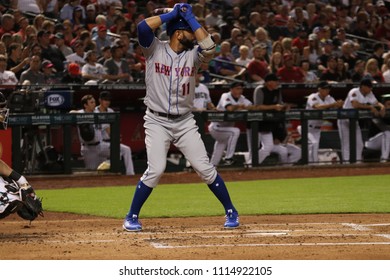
(95, 41)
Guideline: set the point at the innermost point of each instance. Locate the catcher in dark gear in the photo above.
(4, 111)
(16, 194)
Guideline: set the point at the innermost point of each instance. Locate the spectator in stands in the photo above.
(258, 67)
(88, 43)
(60, 43)
(214, 17)
(287, 45)
(138, 63)
(266, 97)
(27, 6)
(102, 39)
(7, 24)
(383, 31)
(38, 20)
(327, 51)
(282, 16)
(379, 135)
(78, 55)
(312, 52)
(386, 73)
(243, 59)
(275, 32)
(72, 75)
(254, 22)
(50, 52)
(275, 63)
(237, 43)
(360, 97)
(49, 73)
(117, 68)
(309, 75)
(347, 53)
(330, 74)
(66, 11)
(93, 72)
(342, 70)
(262, 38)
(290, 30)
(378, 51)
(23, 23)
(357, 73)
(290, 73)
(6, 77)
(225, 133)
(33, 73)
(340, 38)
(101, 20)
(51, 8)
(78, 19)
(15, 62)
(125, 151)
(90, 20)
(106, 54)
(372, 71)
(277, 47)
(319, 100)
(301, 41)
(227, 68)
(111, 13)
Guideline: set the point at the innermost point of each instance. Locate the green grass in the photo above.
(360, 194)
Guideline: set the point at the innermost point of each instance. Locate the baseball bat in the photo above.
(161, 11)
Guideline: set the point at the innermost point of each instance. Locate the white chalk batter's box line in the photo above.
(280, 233)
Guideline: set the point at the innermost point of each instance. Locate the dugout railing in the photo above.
(23, 154)
(253, 117)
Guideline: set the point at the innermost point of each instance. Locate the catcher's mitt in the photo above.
(32, 205)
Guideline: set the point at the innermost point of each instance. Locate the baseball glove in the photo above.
(32, 205)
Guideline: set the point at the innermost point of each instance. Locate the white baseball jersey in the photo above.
(226, 100)
(96, 69)
(315, 99)
(104, 126)
(202, 97)
(8, 78)
(355, 94)
(170, 78)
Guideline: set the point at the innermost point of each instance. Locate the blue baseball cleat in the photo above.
(231, 219)
(132, 223)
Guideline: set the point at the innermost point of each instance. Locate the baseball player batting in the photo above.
(170, 83)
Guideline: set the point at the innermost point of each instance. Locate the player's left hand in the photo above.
(186, 11)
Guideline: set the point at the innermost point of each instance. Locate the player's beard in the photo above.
(187, 44)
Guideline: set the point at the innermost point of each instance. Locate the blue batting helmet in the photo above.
(177, 24)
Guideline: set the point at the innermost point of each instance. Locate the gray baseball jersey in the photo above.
(170, 78)
(170, 87)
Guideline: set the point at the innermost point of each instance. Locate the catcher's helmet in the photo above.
(4, 111)
(177, 24)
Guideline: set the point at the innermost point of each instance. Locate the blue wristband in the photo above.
(193, 23)
(167, 17)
